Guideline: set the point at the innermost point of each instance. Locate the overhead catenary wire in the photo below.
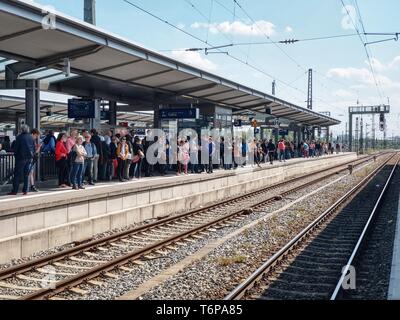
(365, 49)
(258, 69)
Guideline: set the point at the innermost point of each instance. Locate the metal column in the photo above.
(32, 104)
(113, 113)
(96, 122)
(90, 11)
(350, 132)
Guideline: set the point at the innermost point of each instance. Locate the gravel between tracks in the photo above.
(126, 282)
(228, 265)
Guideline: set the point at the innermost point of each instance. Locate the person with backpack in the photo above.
(61, 154)
(49, 143)
(306, 149)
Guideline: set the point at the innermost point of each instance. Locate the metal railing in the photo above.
(47, 170)
(7, 163)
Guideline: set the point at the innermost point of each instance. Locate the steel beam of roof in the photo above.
(148, 75)
(19, 33)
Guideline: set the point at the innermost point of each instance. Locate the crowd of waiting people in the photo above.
(86, 157)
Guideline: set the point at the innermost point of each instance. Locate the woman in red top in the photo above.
(61, 160)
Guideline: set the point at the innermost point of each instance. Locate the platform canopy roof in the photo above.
(110, 67)
(12, 105)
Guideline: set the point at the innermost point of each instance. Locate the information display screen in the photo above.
(81, 109)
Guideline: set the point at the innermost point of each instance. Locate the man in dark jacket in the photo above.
(24, 151)
(271, 151)
(98, 160)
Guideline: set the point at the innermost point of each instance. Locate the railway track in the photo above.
(315, 263)
(47, 277)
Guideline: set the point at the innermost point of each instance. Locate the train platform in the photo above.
(394, 287)
(53, 217)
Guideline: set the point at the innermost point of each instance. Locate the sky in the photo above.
(342, 75)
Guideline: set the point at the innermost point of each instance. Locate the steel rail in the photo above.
(97, 271)
(337, 293)
(242, 288)
(28, 266)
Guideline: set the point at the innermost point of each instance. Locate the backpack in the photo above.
(72, 156)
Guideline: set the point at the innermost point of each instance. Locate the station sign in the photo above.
(188, 113)
(282, 132)
(81, 109)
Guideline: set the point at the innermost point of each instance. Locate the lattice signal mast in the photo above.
(310, 90)
(89, 11)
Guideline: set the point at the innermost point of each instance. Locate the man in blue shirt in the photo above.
(91, 153)
(211, 151)
(24, 151)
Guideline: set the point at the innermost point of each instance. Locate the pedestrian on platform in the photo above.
(49, 143)
(98, 160)
(137, 158)
(281, 150)
(78, 158)
(211, 152)
(24, 149)
(35, 136)
(62, 160)
(122, 155)
(91, 153)
(271, 151)
(114, 158)
(306, 150)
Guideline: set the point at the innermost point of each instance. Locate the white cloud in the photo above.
(259, 28)
(362, 76)
(289, 29)
(195, 59)
(377, 65)
(350, 17)
(395, 63)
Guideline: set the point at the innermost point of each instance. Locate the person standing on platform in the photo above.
(281, 150)
(71, 140)
(128, 163)
(35, 136)
(137, 158)
(245, 150)
(122, 155)
(49, 143)
(24, 150)
(105, 143)
(113, 157)
(271, 148)
(6, 145)
(211, 152)
(97, 161)
(62, 161)
(91, 153)
(306, 149)
(78, 158)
